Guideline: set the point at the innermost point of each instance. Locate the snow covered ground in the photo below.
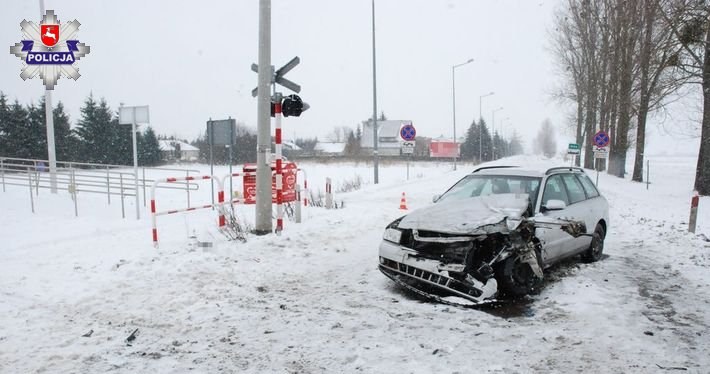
(312, 300)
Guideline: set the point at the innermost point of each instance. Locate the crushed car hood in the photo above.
(472, 216)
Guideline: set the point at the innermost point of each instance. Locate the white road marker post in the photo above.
(694, 201)
(298, 203)
(328, 194)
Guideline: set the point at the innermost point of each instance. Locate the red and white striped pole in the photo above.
(305, 187)
(154, 213)
(693, 212)
(279, 171)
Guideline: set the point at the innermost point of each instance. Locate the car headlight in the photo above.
(392, 235)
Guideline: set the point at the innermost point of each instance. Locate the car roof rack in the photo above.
(494, 167)
(560, 168)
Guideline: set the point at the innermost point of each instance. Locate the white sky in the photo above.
(191, 61)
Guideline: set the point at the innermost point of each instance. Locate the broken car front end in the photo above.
(472, 267)
(475, 249)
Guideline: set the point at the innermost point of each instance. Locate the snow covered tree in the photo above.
(516, 144)
(546, 142)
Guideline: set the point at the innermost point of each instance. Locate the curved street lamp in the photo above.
(453, 90)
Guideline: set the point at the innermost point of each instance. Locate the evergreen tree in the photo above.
(470, 146)
(103, 141)
(66, 143)
(499, 146)
(34, 136)
(4, 118)
(244, 148)
(13, 131)
(89, 133)
(486, 141)
(149, 148)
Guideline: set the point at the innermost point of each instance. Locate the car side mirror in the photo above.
(554, 205)
(435, 198)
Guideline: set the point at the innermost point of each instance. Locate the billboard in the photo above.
(445, 148)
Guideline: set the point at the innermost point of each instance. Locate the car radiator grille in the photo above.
(430, 278)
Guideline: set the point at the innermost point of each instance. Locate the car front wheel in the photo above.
(596, 248)
(516, 278)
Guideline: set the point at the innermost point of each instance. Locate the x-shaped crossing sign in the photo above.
(277, 77)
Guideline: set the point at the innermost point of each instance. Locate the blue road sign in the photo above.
(601, 139)
(407, 132)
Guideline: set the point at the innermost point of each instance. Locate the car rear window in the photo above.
(588, 186)
(574, 188)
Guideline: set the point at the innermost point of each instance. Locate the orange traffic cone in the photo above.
(403, 202)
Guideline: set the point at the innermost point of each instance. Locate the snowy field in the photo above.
(72, 290)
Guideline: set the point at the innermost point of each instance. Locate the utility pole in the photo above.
(453, 90)
(49, 116)
(374, 99)
(263, 137)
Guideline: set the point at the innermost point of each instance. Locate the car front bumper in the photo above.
(403, 266)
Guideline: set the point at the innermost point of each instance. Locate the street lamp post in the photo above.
(453, 90)
(493, 126)
(493, 131)
(480, 117)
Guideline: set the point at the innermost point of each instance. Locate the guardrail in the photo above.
(73, 177)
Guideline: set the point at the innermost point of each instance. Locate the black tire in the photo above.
(596, 247)
(517, 279)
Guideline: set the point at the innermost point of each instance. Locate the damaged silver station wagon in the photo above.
(493, 232)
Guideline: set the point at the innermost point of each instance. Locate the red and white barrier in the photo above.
(154, 213)
(279, 171)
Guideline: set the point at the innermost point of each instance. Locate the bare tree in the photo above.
(339, 134)
(617, 62)
(689, 21)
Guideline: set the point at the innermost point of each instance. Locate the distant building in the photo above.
(175, 150)
(289, 145)
(329, 149)
(389, 142)
(445, 147)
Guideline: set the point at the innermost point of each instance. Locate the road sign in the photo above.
(601, 152)
(601, 139)
(408, 147)
(408, 132)
(573, 149)
(277, 77)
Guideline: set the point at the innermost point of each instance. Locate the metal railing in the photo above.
(74, 177)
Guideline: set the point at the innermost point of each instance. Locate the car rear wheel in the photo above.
(596, 247)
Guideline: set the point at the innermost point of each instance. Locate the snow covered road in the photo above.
(313, 301)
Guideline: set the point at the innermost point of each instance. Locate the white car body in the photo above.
(488, 202)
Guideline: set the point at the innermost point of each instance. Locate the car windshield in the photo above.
(483, 185)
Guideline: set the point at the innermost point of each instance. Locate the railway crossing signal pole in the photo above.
(263, 137)
(278, 106)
